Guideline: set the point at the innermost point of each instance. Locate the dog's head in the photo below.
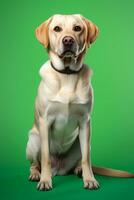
(67, 35)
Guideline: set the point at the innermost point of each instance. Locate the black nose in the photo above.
(68, 41)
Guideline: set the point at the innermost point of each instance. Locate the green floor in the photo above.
(15, 185)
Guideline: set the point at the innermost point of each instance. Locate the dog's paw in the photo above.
(91, 184)
(78, 171)
(34, 176)
(44, 185)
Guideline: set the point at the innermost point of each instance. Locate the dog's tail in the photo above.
(111, 172)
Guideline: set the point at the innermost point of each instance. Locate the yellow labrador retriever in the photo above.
(59, 141)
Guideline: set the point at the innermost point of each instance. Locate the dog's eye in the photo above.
(77, 28)
(57, 29)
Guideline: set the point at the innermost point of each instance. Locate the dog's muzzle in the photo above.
(69, 46)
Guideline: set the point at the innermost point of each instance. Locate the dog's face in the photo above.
(67, 35)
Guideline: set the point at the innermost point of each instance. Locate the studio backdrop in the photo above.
(111, 58)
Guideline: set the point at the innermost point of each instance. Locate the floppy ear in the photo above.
(42, 33)
(91, 31)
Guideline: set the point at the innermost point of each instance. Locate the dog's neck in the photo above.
(61, 64)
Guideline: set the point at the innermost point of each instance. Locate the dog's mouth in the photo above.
(67, 53)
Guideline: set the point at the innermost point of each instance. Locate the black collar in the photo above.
(67, 70)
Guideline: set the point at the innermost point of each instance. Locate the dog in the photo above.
(59, 141)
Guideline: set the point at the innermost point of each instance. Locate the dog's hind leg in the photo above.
(78, 169)
(33, 154)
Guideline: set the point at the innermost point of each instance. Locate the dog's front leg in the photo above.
(45, 180)
(84, 137)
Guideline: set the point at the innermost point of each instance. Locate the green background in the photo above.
(112, 61)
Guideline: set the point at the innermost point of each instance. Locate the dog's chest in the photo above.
(66, 89)
(67, 101)
(64, 129)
